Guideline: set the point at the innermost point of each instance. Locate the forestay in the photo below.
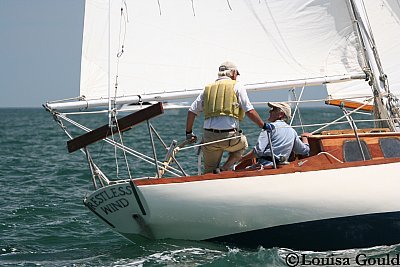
(384, 19)
(178, 45)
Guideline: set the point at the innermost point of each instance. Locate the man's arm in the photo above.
(304, 137)
(195, 108)
(190, 136)
(253, 115)
(189, 121)
(246, 105)
(302, 147)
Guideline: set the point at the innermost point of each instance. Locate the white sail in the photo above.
(384, 18)
(171, 48)
(178, 45)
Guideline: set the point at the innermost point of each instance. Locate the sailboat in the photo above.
(344, 195)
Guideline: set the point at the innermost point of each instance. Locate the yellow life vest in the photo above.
(220, 100)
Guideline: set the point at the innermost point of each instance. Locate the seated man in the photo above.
(283, 137)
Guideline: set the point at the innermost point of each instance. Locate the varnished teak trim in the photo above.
(315, 163)
(349, 104)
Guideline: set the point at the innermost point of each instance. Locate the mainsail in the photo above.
(159, 48)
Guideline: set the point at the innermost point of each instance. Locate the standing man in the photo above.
(284, 138)
(224, 103)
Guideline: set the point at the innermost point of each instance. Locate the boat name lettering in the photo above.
(115, 206)
(106, 195)
(295, 259)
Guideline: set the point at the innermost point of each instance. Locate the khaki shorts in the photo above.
(212, 153)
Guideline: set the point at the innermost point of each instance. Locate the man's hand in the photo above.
(306, 134)
(191, 137)
(268, 127)
(304, 137)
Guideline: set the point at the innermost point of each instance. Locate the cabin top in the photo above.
(376, 143)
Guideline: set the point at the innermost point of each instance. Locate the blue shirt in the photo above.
(284, 140)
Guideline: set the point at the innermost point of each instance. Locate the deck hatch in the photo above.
(390, 147)
(351, 151)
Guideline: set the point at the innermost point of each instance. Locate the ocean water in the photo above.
(43, 221)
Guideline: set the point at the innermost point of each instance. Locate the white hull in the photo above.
(201, 210)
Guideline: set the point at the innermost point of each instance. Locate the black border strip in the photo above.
(134, 189)
(98, 215)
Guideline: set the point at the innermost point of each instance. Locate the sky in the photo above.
(40, 48)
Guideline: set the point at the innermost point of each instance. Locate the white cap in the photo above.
(282, 106)
(227, 65)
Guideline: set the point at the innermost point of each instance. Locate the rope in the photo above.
(329, 154)
(128, 149)
(172, 170)
(208, 143)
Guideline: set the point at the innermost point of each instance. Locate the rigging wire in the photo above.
(124, 20)
(194, 14)
(94, 169)
(392, 105)
(351, 112)
(229, 5)
(123, 151)
(315, 100)
(371, 40)
(148, 159)
(336, 122)
(115, 150)
(297, 107)
(159, 6)
(120, 146)
(109, 63)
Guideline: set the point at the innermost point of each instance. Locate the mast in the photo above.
(377, 78)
